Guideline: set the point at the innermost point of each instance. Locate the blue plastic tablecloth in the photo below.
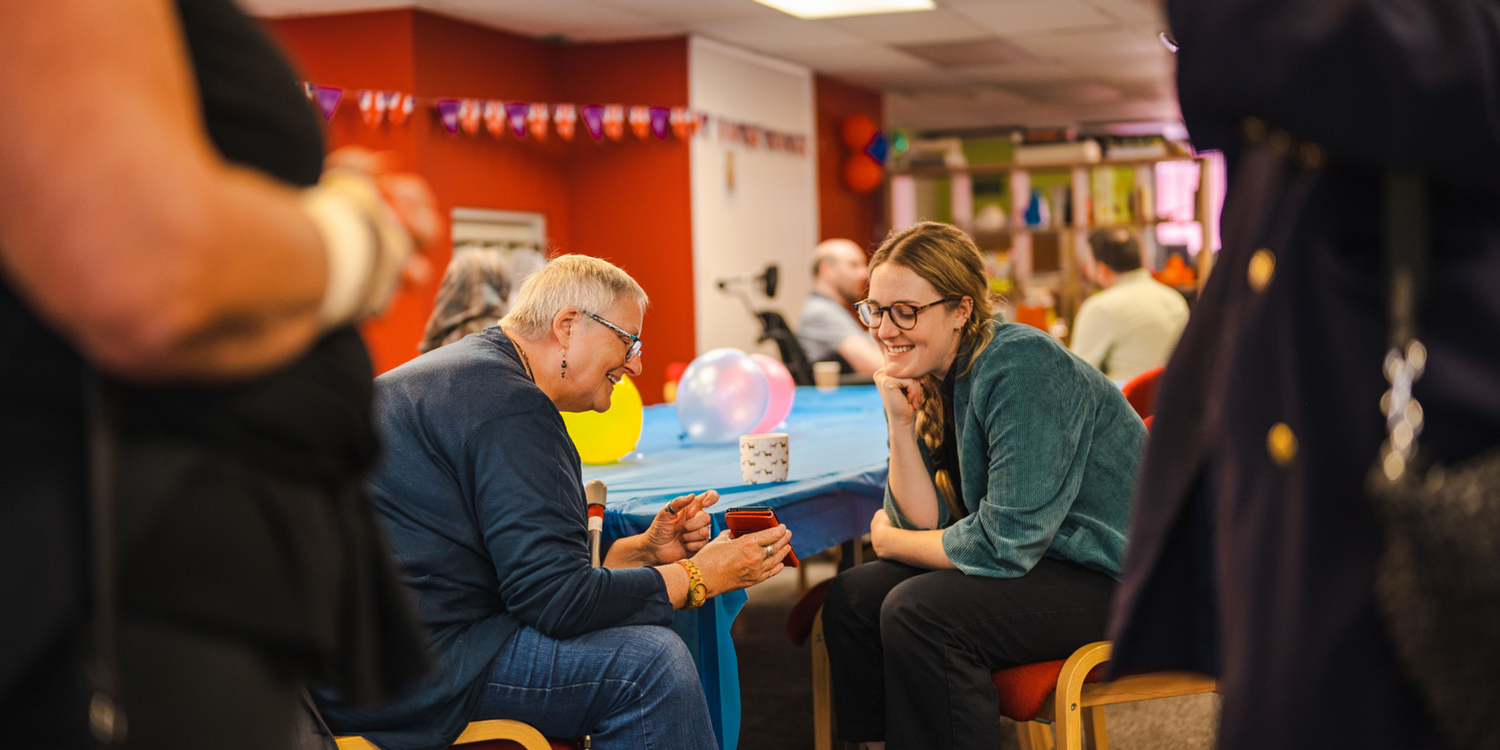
(835, 483)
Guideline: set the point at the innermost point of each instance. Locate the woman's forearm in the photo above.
(910, 485)
(922, 549)
(676, 578)
(629, 552)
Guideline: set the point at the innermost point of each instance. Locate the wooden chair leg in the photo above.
(1034, 735)
(1067, 701)
(1095, 735)
(823, 732)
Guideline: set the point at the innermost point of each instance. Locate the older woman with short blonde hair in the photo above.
(481, 493)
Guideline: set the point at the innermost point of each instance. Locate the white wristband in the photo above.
(366, 244)
(350, 242)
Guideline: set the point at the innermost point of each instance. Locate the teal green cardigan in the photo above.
(1047, 454)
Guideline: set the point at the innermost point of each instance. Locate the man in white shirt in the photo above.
(827, 329)
(1133, 324)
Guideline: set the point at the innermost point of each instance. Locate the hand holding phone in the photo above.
(755, 518)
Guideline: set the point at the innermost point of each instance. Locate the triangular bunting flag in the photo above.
(536, 120)
(593, 120)
(494, 117)
(448, 113)
(517, 112)
(328, 99)
(640, 122)
(660, 122)
(614, 121)
(469, 115)
(564, 118)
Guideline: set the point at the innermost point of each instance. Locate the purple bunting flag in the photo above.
(661, 122)
(328, 99)
(593, 119)
(517, 112)
(448, 113)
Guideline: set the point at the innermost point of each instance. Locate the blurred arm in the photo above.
(862, 353)
(119, 223)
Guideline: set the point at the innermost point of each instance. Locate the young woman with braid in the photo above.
(1012, 464)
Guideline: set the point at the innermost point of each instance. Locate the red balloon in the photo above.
(863, 174)
(857, 130)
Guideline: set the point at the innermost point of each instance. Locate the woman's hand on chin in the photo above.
(902, 397)
(730, 564)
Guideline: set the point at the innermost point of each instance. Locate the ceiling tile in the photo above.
(1132, 11)
(1025, 72)
(990, 51)
(583, 20)
(918, 27)
(863, 56)
(685, 13)
(1066, 92)
(1010, 17)
(1134, 40)
(782, 34)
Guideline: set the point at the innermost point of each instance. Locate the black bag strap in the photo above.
(106, 713)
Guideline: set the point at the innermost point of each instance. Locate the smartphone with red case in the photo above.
(755, 518)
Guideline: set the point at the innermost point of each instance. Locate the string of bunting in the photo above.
(470, 116)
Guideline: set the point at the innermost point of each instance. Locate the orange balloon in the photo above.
(863, 174)
(857, 130)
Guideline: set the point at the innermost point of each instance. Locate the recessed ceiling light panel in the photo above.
(838, 8)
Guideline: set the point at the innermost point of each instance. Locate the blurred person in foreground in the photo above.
(1255, 542)
(179, 277)
(482, 496)
(474, 295)
(826, 330)
(1011, 466)
(1132, 325)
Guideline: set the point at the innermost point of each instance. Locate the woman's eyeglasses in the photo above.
(633, 342)
(903, 314)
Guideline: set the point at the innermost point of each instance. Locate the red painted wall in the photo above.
(843, 213)
(628, 202)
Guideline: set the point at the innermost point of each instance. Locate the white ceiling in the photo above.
(966, 64)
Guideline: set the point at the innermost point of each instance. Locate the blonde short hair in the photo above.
(584, 282)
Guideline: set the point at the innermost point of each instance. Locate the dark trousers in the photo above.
(912, 650)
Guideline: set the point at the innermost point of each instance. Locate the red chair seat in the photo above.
(799, 623)
(1141, 391)
(1024, 689)
(509, 745)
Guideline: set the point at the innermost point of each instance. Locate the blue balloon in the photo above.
(721, 396)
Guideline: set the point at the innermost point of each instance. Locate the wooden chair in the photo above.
(494, 734)
(1029, 694)
(1074, 699)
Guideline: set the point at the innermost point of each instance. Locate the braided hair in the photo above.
(946, 258)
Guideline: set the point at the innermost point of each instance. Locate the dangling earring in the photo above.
(565, 364)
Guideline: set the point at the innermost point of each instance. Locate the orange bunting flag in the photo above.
(370, 107)
(536, 120)
(614, 121)
(469, 115)
(682, 122)
(494, 117)
(565, 119)
(640, 122)
(399, 107)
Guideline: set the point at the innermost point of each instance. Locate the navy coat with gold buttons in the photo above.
(1253, 543)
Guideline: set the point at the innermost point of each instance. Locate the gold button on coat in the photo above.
(1262, 268)
(1281, 443)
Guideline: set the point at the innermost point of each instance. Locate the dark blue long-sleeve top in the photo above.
(481, 494)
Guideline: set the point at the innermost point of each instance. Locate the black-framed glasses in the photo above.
(903, 314)
(633, 342)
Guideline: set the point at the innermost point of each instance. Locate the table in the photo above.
(835, 483)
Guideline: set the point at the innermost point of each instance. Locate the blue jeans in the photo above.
(626, 687)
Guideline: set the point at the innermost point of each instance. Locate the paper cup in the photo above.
(763, 458)
(826, 375)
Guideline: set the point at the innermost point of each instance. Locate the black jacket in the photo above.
(1259, 570)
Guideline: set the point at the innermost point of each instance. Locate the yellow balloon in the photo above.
(606, 437)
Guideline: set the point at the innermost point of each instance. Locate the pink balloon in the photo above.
(783, 392)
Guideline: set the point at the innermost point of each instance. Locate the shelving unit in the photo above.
(1021, 242)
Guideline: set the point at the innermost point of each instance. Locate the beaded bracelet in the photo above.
(697, 592)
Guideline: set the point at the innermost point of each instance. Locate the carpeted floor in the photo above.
(776, 685)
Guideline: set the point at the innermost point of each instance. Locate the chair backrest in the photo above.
(773, 327)
(1141, 391)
